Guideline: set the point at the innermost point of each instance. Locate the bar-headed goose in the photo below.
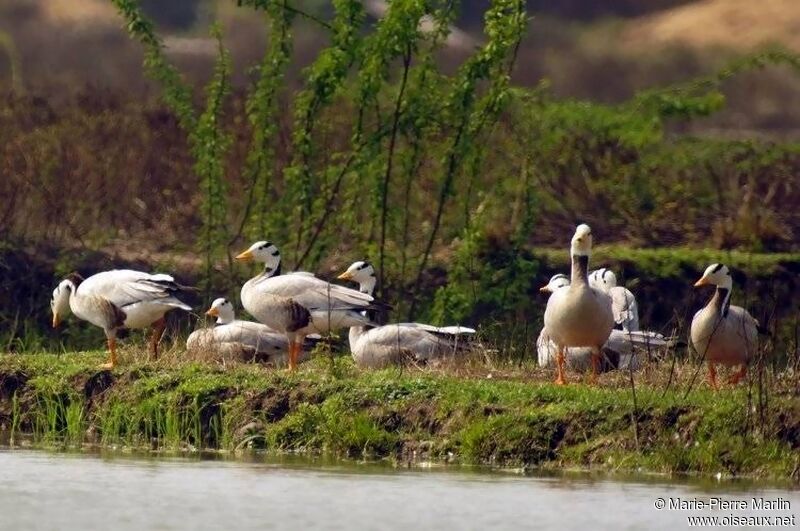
(623, 302)
(723, 333)
(382, 346)
(579, 315)
(620, 349)
(298, 304)
(117, 299)
(244, 339)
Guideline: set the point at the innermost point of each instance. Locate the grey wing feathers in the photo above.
(413, 340)
(455, 330)
(334, 298)
(255, 335)
(623, 342)
(647, 338)
(624, 307)
(123, 287)
(748, 320)
(315, 293)
(445, 330)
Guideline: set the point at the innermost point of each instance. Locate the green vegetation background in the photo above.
(457, 181)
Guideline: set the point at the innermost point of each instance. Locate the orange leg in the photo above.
(112, 347)
(595, 365)
(158, 332)
(294, 347)
(560, 367)
(736, 378)
(712, 376)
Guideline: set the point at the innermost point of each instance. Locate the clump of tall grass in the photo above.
(55, 419)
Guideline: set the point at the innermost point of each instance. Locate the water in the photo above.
(40, 490)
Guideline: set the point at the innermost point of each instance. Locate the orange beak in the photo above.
(702, 282)
(245, 256)
(545, 289)
(347, 275)
(212, 312)
(56, 320)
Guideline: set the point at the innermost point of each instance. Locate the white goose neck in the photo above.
(721, 300)
(355, 334)
(72, 297)
(580, 269)
(367, 286)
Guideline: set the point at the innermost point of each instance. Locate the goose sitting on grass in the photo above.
(118, 299)
(619, 349)
(242, 339)
(722, 333)
(298, 304)
(392, 344)
(623, 302)
(579, 315)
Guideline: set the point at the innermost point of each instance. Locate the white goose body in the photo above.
(144, 297)
(722, 333)
(730, 339)
(330, 307)
(392, 344)
(579, 315)
(116, 299)
(245, 338)
(399, 343)
(621, 346)
(299, 304)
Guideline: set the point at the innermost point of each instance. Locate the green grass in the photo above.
(402, 415)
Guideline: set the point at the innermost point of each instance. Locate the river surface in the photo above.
(43, 490)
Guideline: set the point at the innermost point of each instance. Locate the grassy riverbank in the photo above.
(511, 417)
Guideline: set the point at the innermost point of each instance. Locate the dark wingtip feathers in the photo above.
(75, 278)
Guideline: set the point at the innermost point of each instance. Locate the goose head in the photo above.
(556, 282)
(603, 278)
(581, 244)
(59, 303)
(716, 275)
(222, 309)
(363, 273)
(265, 252)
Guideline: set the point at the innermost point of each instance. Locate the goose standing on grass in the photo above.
(244, 338)
(619, 349)
(623, 302)
(117, 299)
(723, 333)
(298, 304)
(579, 315)
(381, 346)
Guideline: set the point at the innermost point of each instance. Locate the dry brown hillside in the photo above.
(78, 11)
(735, 24)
